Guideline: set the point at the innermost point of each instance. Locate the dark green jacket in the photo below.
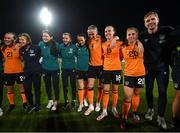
(68, 54)
(50, 62)
(82, 58)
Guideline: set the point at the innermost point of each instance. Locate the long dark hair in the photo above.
(53, 50)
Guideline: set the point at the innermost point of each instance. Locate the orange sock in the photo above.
(81, 95)
(23, 96)
(10, 96)
(125, 108)
(90, 95)
(135, 102)
(114, 98)
(85, 93)
(99, 94)
(105, 99)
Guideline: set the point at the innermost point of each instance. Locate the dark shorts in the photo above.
(95, 72)
(134, 82)
(82, 75)
(176, 78)
(111, 76)
(10, 79)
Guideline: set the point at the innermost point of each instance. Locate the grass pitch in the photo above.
(71, 120)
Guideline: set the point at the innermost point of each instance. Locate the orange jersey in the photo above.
(133, 57)
(111, 59)
(95, 51)
(12, 60)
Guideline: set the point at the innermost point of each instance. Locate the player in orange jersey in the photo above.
(13, 69)
(134, 72)
(95, 67)
(111, 71)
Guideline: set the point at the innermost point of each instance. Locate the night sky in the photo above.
(75, 16)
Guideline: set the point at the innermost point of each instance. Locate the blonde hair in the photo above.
(133, 28)
(150, 13)
(27, 36)
(67, 34)
(92, 27)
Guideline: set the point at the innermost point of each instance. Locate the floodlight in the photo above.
(46, 16)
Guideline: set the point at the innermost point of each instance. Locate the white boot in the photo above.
(1, 112)
(50, 104)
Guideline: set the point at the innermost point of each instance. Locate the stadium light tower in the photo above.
(46, 17)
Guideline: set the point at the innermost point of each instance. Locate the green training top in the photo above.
(82, 58)
(49, 61)
(68, 54)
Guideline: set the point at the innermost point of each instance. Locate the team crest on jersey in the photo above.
(97, 40)
(14, 49)
(31, 51)
(70, 51)
(162, 38)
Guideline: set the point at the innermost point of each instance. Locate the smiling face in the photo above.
(81, 40)
(109, 32)
(92, 33)
(9, 39)
(23, 40)
(66, 38)
(46, 37)
(151, 22)
(131, 35)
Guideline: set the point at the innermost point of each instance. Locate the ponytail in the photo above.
(53, 50)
